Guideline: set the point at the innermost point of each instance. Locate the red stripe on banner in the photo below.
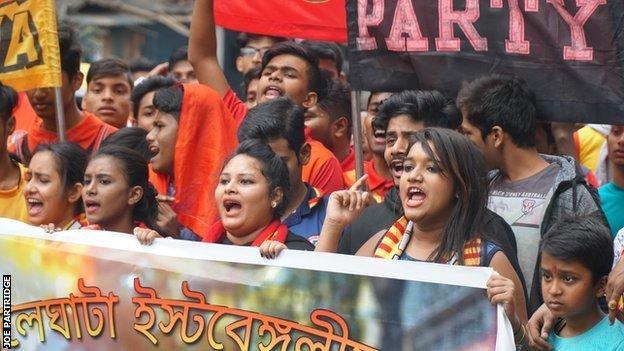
(304, 19)
(385, 248)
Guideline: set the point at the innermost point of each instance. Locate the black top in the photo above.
(293, 242)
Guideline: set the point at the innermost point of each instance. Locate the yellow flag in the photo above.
(29, 49)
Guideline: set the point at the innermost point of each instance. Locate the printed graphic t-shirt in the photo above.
(522, 204)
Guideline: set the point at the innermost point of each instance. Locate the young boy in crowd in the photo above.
(530, 191)
(612, 194)
(81, 127)
(179, 66)
(142, 100)
(329, 122)
(330, 57)
(109, 85)
(577, 254)
(288, 69)
(279, 123)
(12, 201)
(250, 87)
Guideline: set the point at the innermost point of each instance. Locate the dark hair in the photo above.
(337, 102)
(279, 118)
(326, 50)
(70, 50)
(132, 138)
(136, 173)
(252, 74)
(315, 81)
(141, 64)
(169, 100)
(109, 67)
(177, 55)
(244, 38)
(460, 161)
(582, 239)
(428, 106)
(147, 86)
(71, 162)
(8, 101)
(500, 100)
(273, 169)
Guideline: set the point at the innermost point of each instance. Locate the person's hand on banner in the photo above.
(343, 208)
(501, 290)
(50, 228)
(540, 325)
(271, 248)
(146, 236)
(167, 218)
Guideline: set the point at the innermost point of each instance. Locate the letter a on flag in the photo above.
(29, 49)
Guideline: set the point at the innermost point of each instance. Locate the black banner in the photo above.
(571, 52)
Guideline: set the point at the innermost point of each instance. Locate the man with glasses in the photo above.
(252, 48)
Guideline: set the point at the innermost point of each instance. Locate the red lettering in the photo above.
(516, 43)
(364, 41)
(405, 34)
(578, 51)
(465, 19)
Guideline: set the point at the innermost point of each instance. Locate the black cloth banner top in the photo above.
(571, 52)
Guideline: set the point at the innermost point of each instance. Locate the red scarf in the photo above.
(274, 231)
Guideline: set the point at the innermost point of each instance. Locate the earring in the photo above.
(273, 204)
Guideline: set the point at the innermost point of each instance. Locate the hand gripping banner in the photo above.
(95, 290)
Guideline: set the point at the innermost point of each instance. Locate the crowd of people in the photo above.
(171, 151)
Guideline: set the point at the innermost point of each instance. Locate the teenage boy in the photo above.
(12, 200)
(330, 57)
(82, 127)
(530, 191)
(250, 87)
(279, 123)
(142, 99)
(179, 66)
(577, 254)
(612, 194)
(329, 122)
(109, 85)
(288, 69)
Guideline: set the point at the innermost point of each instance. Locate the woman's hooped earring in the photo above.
(273, 204)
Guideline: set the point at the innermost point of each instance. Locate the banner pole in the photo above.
(357, 133)
(60, 114)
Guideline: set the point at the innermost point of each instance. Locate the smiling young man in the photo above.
(82, 128)
(109, 86)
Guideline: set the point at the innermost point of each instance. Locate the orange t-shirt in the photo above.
(377, 185)
(89, 134)
(323, 171)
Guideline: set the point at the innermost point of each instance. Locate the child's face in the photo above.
(108, 97)
(567, 287)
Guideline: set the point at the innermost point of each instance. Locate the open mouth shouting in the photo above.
(396, 168)
(379, 136)
(232, 207)
(34, 206)
(273, 92)
(415, 197)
